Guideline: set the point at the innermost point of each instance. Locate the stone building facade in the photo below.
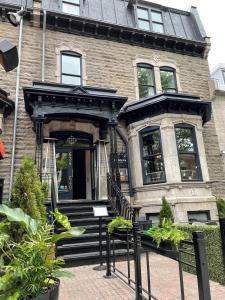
(112, 47)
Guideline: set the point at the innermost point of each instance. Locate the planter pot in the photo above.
(51, 294)
(121, 233)
(165, 248)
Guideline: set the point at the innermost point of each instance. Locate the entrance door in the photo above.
(79, 174)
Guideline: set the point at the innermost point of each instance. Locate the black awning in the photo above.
(62, 101)
(166, 103)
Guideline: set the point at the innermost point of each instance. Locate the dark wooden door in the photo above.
(79, 174)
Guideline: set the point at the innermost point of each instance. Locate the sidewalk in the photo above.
(91, 285)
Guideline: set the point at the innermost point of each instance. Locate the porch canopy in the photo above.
(166, 103)
(61, 101)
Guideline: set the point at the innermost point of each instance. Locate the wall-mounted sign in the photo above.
(100, 211)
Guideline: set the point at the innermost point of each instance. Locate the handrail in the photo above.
(119, 202)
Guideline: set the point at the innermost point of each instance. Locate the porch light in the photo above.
(15, 18)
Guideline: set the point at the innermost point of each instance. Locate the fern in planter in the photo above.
(166, 211)
(119, 223)
(167, 231)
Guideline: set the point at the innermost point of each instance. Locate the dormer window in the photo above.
(71, 7)
(150, 20)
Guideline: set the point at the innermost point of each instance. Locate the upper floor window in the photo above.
(187, 152)
(168, 80)
(151, 154)
(146, 80)
(71, 7)
(150, 20)
(71, 68)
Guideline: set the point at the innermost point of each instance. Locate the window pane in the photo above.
(145, 76)
(71, 9)
(184, 137)
(142, 13)
(144, 25)
(146, 91)
(167, 80)
(156, 16)
(73, 1)
(154, 169)
(66, 79)
(189, 169)
(198, 216)
(157, 27)
(151, 143)
(71, 65)
(62, 164)
(223, 72)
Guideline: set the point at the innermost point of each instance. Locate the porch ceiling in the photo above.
(59, 101)
(166, 103)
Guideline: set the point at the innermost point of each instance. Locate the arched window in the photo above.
(71, 70)
(187, 152)
(152, 156)
(168, 79)
(146, 80)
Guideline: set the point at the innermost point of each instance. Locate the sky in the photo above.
(212, 14)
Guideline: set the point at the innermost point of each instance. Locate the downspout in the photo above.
(43, 46)
(128, 160)
(16, 108)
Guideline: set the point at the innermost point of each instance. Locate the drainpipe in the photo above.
(43, 46)
(16, 108)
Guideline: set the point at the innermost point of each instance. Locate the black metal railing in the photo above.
(137, 250)
(119, 202)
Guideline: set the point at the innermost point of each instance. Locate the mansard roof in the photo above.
(117, 19)
(166, 103)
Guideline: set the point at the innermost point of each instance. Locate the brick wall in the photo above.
(108, 65)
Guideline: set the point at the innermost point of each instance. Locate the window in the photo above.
(71, 68)
(151, 154)
(168, 80)
(154, 218)
(198, 216)
(187, 152)
(71, 7)
(146, 80)
(144, 18)
(157, 21)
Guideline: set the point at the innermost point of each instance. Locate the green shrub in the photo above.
(213, 251)
(167, 231)
(28, 192)
(220, 207)
(165, 211)
(119, 222)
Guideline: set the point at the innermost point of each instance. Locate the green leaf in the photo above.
(75, 231)
(17, 215)
(62, 219)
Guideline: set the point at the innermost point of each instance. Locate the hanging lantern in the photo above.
(2, 150)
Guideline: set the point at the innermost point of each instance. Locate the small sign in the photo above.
(100, 211)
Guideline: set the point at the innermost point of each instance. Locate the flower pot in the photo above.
(122, 233)
(51, 294)
(165, 248)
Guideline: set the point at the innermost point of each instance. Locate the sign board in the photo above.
(100, 211)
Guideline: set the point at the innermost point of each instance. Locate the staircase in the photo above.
(84, 249)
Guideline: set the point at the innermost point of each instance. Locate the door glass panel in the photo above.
(62, 164)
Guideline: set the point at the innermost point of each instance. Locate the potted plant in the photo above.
(163, 237)
(30, 269)
(120, 227)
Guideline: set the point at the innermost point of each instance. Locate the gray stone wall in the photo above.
(108, 64)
